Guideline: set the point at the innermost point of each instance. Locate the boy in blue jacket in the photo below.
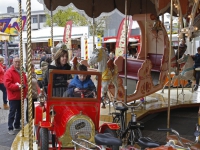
(81, 82)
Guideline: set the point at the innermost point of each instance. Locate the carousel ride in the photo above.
(155, 44)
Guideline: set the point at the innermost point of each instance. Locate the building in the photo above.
(38, 18)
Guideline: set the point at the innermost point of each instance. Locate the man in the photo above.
(43, 58)
(13, 85)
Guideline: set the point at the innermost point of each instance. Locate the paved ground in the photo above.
(5, 139)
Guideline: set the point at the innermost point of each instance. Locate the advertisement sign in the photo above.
(121, 36)
(67, 34)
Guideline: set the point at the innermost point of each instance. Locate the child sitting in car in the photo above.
(81, 83)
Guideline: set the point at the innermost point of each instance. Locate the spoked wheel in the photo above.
(133, 136)
(116, 119)
(44, 139)
(112, 132)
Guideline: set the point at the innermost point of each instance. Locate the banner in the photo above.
(121, 36)
(67, 34)
(11, 25)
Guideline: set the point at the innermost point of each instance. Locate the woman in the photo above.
(2, 87)
(59, 80)
(35, 93)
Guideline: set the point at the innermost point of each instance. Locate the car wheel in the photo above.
(44, 139)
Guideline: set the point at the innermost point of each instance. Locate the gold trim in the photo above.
(66, 138)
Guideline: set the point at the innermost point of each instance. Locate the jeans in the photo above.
(197, 77)
(3, 89)
(33, 109)
(14, 114)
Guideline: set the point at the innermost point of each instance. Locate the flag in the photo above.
(120, 41)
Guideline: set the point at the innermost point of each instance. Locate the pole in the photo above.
(169, 64)
(6, 54)
(21, 66)
(30, 115)
(125, 64)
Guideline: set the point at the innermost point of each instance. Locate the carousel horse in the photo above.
(187, 69)
(108, 69)
(74, 63)
(173, 67)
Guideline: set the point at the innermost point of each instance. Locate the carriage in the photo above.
(61, 118)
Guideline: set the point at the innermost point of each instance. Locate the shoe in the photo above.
(17, 129)
(11, 132)
(195, 87)
(5, 106)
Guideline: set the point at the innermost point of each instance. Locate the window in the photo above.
(42, 18)
(35, 20)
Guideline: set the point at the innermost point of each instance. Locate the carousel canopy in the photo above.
(4, 36)
(94, 8)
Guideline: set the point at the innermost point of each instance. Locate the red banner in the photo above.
(121, 36)
(67, 34)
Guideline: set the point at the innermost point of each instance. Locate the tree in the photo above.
(61, 17)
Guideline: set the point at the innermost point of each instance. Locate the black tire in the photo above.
(116, 119)
(44, 139)
(112, 132)
(133, 136)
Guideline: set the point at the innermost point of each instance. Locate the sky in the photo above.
(35, 5)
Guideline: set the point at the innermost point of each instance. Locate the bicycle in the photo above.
(132, 132)
(146, 142)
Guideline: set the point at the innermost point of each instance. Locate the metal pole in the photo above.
(169, 64)
(30, 115)
(125, 64)
(6, 54)
(51, 24)
(21, 66)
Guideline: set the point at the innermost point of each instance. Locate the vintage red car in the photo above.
(61, 118)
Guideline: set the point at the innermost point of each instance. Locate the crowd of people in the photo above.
(10, 81)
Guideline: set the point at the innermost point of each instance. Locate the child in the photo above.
(80, 82)
(196, 59)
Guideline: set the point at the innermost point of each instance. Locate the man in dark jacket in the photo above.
(81, 82)
(196, 59)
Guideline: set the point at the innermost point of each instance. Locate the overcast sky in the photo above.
(35, 5)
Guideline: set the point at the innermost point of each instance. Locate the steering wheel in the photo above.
(84, 93)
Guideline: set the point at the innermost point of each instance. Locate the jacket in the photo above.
(1, 73)
(11, 79)
(76, 83)
(59, 80)
(196, 60)
(34, 87)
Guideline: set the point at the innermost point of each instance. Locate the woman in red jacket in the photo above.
(2, 87)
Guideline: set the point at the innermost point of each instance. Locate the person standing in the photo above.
(12, 82)
(35, 93)
(196, 59)
(2, 87)
(43, 58)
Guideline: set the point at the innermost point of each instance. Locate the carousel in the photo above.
(100, 121)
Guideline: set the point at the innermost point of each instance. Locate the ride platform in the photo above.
(154, 103)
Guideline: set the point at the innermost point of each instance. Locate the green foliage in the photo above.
(61, 17)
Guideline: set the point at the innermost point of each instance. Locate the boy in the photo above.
(80, 82)
(196, 59)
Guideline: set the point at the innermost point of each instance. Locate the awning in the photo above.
(4, 36)
(113, 40)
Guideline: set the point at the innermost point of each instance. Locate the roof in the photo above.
(42, 35)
